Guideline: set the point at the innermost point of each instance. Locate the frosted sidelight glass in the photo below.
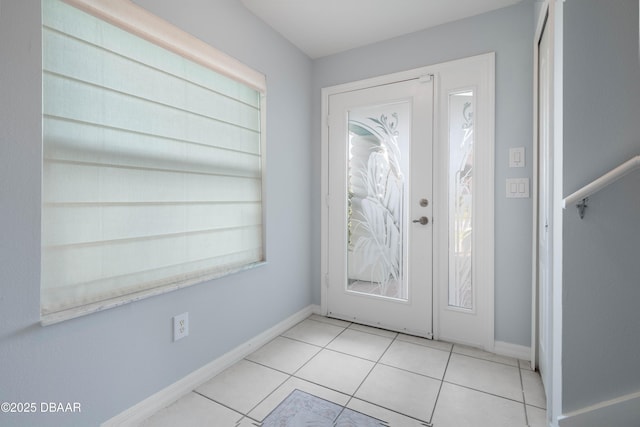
(461, 168)
(152, 165)
(377, 186)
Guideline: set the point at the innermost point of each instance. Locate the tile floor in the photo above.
(403, 380)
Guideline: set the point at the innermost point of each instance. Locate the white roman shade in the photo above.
(152, 158)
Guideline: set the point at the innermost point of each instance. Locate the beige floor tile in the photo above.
(314, 332)
(463, 407)
(482, 375)
(360, 344)
(537, 417)
(416, 358)
(193, 410)
(391, 418)
(275, 398)
(401, 391)
(336, 371)
(533, 389)
(243, 385)
(284, 354)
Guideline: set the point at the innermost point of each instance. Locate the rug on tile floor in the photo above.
(304, 409)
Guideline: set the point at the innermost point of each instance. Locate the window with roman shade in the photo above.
(153, 158)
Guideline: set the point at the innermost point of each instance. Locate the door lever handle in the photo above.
(423, 220)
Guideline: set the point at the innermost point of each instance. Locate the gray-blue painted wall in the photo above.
(111, 360)
(508, 32)
(601, 283)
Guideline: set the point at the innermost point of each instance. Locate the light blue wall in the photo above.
(601, 283)
(114, 359)
(508, 32)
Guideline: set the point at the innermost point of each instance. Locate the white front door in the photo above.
(380, 182)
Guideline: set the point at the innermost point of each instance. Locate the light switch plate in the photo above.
(516, 157)
(517, 188)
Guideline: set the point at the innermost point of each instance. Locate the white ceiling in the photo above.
(325, 27)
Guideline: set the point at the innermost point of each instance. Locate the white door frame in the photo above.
(550, 19)
(484, 207)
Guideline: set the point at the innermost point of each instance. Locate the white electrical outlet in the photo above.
(180, 326)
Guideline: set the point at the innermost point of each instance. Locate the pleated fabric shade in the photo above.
(152, 164)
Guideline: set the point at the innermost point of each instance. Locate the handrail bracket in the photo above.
(582, 206)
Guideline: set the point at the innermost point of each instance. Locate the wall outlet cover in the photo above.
(180, 326)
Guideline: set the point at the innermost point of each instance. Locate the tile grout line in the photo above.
(378, 362)
(269, 394)
(351, 397)
(517, 365)
(396, 338)
(326, 347)
(289, 376)
(371, 370)
(392, 410)
(435, 404)
(242, 415)
(367, 376)
(524, 398)
(292, 375)
(483, 392)
(343, 407)
(412, 372)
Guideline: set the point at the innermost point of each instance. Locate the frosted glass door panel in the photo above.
(461, 168)
(376, 207)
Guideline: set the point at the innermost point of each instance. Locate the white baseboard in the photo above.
(136, 414)
(512, 350)
(621, 412)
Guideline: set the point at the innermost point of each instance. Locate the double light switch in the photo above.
(517, 187)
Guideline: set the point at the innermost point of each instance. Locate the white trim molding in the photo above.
(623, 411)
(143, 410)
